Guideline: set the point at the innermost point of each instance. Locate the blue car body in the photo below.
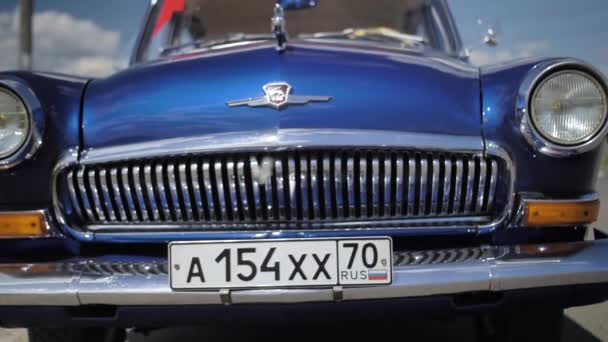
(425, 96)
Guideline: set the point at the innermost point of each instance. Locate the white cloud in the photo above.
(62, 43)
(499, 54)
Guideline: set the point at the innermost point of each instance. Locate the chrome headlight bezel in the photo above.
(33, 139)
(532, 81)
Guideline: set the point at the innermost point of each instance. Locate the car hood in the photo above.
(371, 88)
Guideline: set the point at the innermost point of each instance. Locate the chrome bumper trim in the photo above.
(423, 273)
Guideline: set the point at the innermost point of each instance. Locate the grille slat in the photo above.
(139, 191)
(338, 187)
(185, 191)
(117, 195)
(375, 186)
(278, 167)
(304, 188)
(84, 195)
(95, 194)
(446, 186)
(72, 191)
(470, 182)
(292, 188)
(411, 186)
(232, 190)
(492, 191)
(314, 188)
(388, 181)
(242, 180)
(301, 186)
(363, 184)
(177, 213)
(423, 185)
(196, 184)
(107, 198)
(399, 185)
(126, 189)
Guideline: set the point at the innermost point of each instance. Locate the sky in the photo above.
(96, 37)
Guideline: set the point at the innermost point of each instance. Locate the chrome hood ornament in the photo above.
(277, 96)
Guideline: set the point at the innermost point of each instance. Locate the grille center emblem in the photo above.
(277, 95)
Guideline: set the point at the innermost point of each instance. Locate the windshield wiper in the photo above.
(207, 44)
(383, 33)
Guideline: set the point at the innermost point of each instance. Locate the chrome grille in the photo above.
(285, 187)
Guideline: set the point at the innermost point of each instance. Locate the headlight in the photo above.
(14, 124)
(568, 107)
(562, 107)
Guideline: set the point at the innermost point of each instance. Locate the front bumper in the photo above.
(144, 281)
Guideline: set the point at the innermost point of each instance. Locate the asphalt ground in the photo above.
(583, 324)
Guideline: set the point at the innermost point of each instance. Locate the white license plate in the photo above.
(280, 263)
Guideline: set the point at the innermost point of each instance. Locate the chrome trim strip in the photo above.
(78, 282)
(265, 228)
(522, 108)
(279, 139)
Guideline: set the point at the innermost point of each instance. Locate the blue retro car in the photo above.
(318, 156)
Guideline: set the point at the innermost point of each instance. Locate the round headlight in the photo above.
(569, 107)
(14, 123)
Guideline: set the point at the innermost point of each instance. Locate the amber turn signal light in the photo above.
(559, 213)
(22, 224)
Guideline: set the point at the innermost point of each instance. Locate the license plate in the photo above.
(280, 263)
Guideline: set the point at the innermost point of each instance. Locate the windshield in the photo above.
(177, 26)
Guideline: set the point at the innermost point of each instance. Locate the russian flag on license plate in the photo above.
(377, 275)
